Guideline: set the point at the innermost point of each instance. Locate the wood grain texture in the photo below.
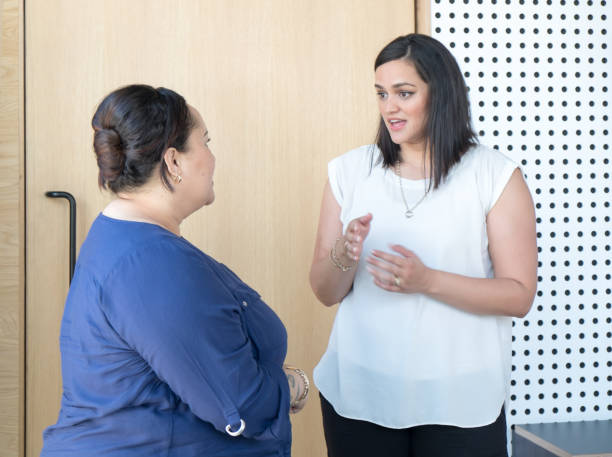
(423, 16)
(11, 231)
(283, 86)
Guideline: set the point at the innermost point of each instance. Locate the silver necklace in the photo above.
(409, 211)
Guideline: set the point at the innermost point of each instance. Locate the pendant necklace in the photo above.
(409, 211)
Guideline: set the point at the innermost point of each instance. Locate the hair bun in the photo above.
(109, 151)
(133, 127)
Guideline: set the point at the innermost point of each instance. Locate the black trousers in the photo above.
(357, 438)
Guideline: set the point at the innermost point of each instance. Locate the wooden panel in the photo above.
(11, 230)
(423, 16)
(283, 86)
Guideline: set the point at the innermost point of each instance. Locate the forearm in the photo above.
(328, 281)
(299, 387)
(494, 296)
(296, 387)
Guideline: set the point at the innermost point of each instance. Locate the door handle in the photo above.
(72, 230)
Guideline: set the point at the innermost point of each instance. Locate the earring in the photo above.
(178, 178)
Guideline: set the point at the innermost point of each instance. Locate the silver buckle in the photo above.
(228, 429)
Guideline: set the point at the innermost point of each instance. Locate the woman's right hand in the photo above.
(352, 240)
(336, 253)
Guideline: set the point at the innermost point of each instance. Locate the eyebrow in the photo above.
(206, 133)
(396, 85)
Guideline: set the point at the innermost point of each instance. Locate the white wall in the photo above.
(538, 73)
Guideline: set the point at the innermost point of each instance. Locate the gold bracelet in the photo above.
(334, 258)
(304, 380)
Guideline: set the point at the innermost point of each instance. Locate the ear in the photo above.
(171, 159)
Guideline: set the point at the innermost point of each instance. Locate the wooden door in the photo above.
(283, 85)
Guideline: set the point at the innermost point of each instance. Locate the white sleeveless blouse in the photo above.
(402, 360)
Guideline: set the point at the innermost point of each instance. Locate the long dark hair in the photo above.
(133, 127)
(448, 129)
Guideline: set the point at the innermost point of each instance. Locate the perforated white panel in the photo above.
(538, 73)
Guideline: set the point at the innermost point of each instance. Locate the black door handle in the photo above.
(72, 233)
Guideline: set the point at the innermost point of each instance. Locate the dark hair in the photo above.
(133, 127)
(448, 129)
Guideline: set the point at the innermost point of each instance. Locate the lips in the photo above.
(396, 124)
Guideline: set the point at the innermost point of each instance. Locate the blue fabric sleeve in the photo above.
(169, 304)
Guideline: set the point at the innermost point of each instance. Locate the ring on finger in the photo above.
(397, 281)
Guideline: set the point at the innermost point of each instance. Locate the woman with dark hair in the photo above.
(427, 239)
(165, 351)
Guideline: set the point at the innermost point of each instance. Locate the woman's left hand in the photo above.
(298, 406)
(401, 272)
(299, 386)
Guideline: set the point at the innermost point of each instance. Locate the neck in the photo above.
(414, 155)
(414, 161)
(146, 205)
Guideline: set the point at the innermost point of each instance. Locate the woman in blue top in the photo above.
(165, 351)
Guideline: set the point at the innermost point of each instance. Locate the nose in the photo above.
(390, 106)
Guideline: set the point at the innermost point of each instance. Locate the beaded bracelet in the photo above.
(334, 258)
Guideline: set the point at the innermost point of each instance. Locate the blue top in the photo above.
(163, 347)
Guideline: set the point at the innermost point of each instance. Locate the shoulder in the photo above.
(167, 273)
(355, 163)
(483, 159)
(162, 252)
(489, 170)
(489, 156)
(367, 153)
(124, 249)
(109, 241)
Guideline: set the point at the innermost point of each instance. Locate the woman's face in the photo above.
(197, 165)
(402, 101)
